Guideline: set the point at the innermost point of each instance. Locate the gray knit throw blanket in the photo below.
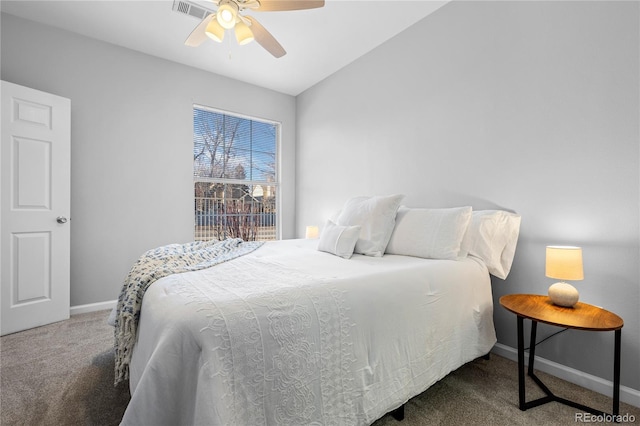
(153, 265)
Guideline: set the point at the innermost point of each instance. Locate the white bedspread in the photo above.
(289, 335)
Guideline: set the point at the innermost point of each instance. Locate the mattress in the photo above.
(291, 335)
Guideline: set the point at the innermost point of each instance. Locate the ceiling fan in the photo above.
(246, 28)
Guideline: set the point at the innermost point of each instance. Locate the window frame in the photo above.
(276, 183)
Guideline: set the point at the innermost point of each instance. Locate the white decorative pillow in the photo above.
(492, 236)
(376, 217)
(429, 233)
(338, 240)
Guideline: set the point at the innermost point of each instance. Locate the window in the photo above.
(234, 176)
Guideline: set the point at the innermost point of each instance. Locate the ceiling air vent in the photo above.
(190, 9)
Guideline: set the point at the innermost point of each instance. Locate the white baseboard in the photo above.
(580, 378)
(92, 307)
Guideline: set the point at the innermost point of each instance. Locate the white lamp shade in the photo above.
(311, 232)
(226, 15)
(214, 31)
(243, 33)
(564, 263)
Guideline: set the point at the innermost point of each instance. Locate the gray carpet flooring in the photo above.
(62, 374)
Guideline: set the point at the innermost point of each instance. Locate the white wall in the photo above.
(131, 144)
(529, 106)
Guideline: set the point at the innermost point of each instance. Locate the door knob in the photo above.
(61, 219)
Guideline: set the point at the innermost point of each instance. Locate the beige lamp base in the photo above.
(563, 294)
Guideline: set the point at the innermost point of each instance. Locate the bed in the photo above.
(294, 334)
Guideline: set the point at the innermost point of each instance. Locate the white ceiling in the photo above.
(318, 42)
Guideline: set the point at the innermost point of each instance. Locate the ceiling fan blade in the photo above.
(282, 5)
(198, 35)
(265, 39)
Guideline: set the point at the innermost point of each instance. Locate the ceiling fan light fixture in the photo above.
(244, 34)
(214, 31)
(227, 14)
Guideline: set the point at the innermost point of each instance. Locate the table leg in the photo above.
(532, 345)
(521, 396)
(616, 373)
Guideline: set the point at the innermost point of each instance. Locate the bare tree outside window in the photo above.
(235, 180)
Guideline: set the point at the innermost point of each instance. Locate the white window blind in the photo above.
(235, 176)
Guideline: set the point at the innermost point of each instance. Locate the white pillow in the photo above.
(338, 240)
(429, 233)
(492, 236)
(376, 217)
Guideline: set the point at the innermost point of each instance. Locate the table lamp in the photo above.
(311, 232)
(564, 263)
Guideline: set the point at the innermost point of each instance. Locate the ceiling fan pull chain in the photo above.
(229, 45)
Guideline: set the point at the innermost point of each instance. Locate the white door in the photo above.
(35, 193)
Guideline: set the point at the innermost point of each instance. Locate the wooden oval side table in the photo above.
(582, 316)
